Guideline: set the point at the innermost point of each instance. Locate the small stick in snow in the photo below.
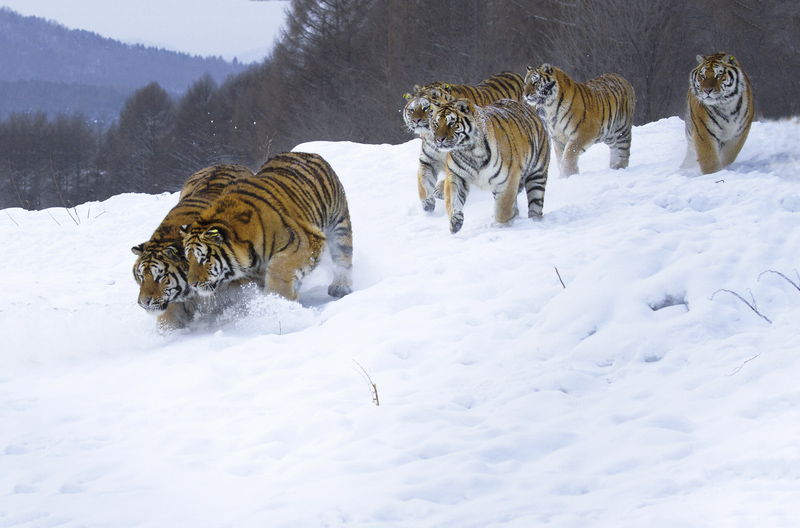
(790, 281)
(752, 306)
(8, 215)
(559, 277)
(372, 387)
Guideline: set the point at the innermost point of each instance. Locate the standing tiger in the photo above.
(272, 229)
(502, 146)
(161, 268)
(417, 114)
(720, 111)
(579, 115)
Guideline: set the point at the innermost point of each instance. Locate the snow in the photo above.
(643, 392)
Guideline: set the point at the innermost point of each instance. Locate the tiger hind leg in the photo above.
(620, 150)
(534, 188)
(505, 202)
(340, 247)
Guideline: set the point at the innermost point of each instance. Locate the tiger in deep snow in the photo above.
(578, 115)
(502, 146)
(272, 228)
(417, 114)
(720, 109)
(161, 268)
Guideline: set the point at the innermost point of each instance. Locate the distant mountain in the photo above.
(47, 67)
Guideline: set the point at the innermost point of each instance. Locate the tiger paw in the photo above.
(339, 290)
(429, 204)
(456, 221)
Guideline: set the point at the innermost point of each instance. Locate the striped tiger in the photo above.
(578, 115)
(417, 113)
(501, 146)
(272, 229)
(161, 268)
(720, 110)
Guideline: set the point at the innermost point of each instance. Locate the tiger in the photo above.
(502, 146)
(272, 228)
(417, 112)
(719, 113)
(578, 115)
(161, 268)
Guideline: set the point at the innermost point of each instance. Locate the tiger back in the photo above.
(417, 114)
(720, 109)
(502, 146)
(272, 228)
(161, 268)
(578, 115)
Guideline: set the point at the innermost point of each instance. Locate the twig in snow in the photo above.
(372, 387)
(12, 218)
(53, 175)
(752, 306)
(559, 277)
(53, 217)
(790, 281)
(740, 367)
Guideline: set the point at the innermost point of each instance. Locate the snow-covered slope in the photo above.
(641, 393)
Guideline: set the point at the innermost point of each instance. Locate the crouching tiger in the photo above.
(719, 114)
(417, 114)
(578, 115)
(272, 229)
(161, 268)
(502, 146)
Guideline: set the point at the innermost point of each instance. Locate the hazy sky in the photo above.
(244, 29)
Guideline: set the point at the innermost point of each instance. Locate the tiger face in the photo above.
(540, 87)
(452, 124)
(419, 108)
(715, 79)
(208, 266)
(160, 272)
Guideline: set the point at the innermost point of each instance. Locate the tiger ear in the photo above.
(406, 96)
(244, 217)
(530, 69)
(184, 229)
(464, 106)
(447, 88)
(172, 253)
(138, 250)
(732, 60)
(547, 68)
(700, 59)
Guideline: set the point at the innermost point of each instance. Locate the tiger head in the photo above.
(541, 86)
(160, 270)
(418, 110)
(453, 124)
(213, 248)
(715, 79)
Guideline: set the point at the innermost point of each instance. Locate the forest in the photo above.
(340, 68)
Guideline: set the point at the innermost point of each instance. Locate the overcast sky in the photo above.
(244, 29)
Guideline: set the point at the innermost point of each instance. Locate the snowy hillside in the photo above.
(639, 394)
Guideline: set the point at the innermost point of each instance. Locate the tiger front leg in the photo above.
(569, 162)
(177, 315)
(707, 153)
(426, 182)
(456, 190)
